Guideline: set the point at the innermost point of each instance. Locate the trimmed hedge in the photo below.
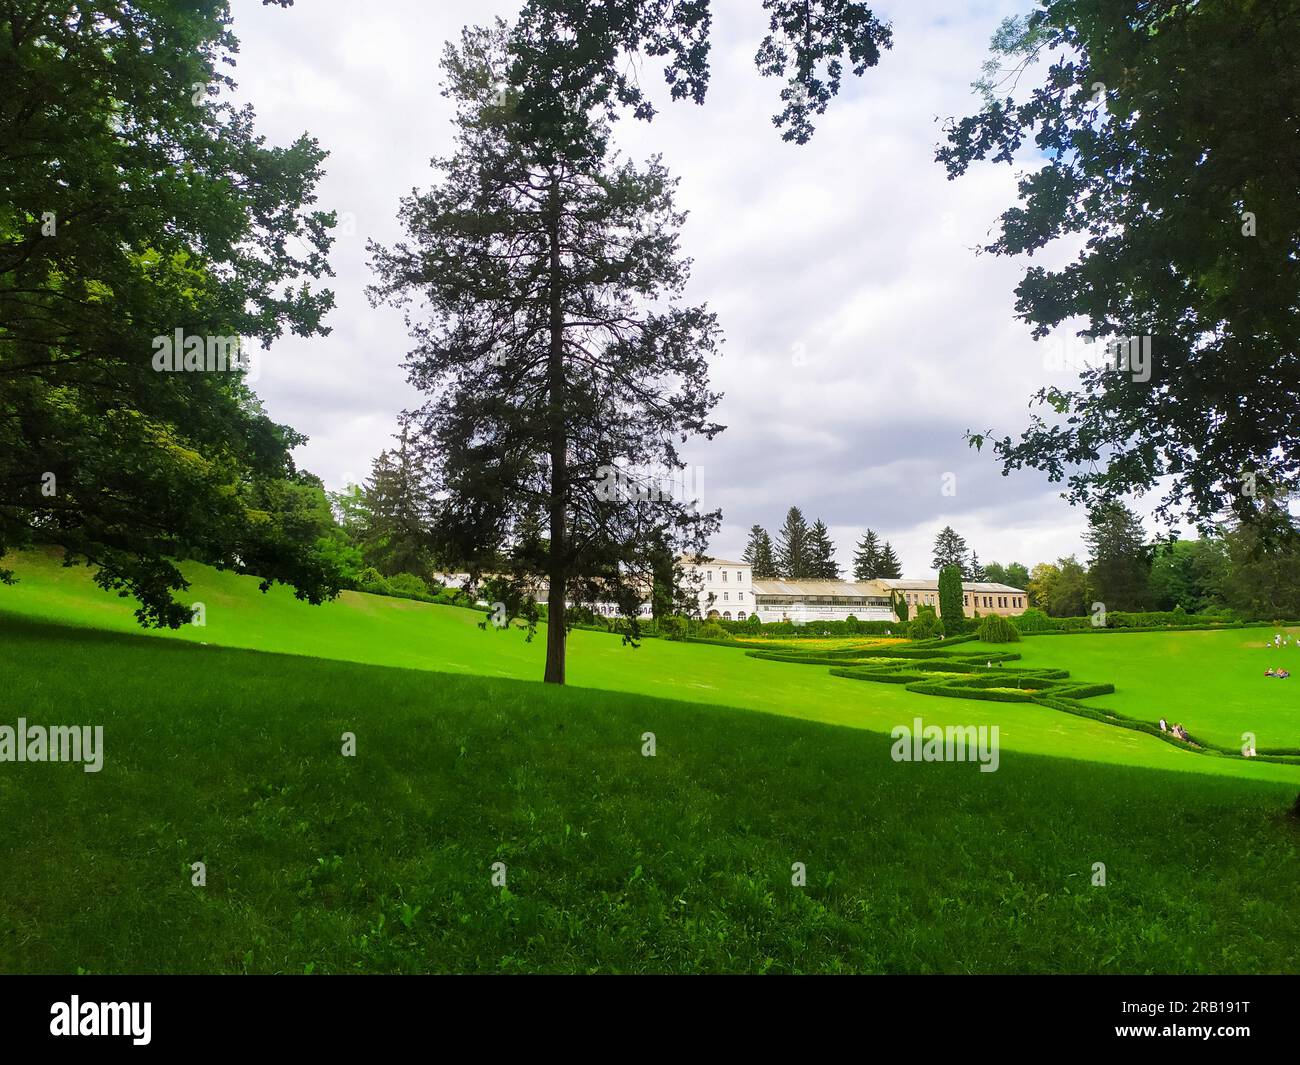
(962, 676)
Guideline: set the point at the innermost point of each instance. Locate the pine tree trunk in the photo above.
(556, 634)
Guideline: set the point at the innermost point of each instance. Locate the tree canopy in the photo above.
(149, 240)
(1166, 144)
(593, 49)
(542, 295)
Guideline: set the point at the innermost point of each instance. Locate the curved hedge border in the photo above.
(969, 676)
(1161, 628)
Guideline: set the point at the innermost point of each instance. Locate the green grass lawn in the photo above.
(394, 632)
(1211, 682)
(614, 861)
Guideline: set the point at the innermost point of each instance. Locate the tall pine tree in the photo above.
(562, 371)
(950, 550)
(821, 551)
(398, 513)
(760, 554)
(866, 559)
(1119, 568)
(890, 567)
(792, 548)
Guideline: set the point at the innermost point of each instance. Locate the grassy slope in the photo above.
(383, 631)
(616, 862)
(1212, 682)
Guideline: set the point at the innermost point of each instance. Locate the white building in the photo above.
(726, 588)
(728, 591)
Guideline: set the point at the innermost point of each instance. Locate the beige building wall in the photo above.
(981, 598)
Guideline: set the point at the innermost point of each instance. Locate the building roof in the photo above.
(933, 586)
(818, 587)
(706, 560)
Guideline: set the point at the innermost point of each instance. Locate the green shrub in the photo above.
(1033, 620)
(674, 627)
(926, 626)
(994, 628)
(711, 630)
(407, 584)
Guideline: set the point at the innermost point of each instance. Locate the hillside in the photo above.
(614, 861)
(394, 632)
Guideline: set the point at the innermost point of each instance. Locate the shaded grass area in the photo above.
(614, 861)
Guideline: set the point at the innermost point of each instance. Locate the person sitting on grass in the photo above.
(1282, 674)
(1164, 725)
(1270, 672)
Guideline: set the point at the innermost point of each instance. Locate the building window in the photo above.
(740, 597)
(726, 615)
(740, 616)
(726, 595)
(709, 575)
(965, 600)
(724, 576)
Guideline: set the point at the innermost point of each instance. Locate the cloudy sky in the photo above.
(863, 335)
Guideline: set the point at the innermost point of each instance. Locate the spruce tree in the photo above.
(949, 550)
(759, 554)
(792, 548)
(867, 557)
(398, 509)
(821, 550)
(890, 567)
(1119, 569)
(976, 572)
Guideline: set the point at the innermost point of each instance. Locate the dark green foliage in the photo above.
(395, 514)
(950, 550)
(760, 554)
(1032, 620)
(793, 546)
(595, 50)
(890, 567)
(927, 625)
(867, 558)
(1119, 567)
(821, 551)
(136, 201)
(1179, 196)
(994, 628)
(950, 599)
(561, 370)
(1260, 579)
